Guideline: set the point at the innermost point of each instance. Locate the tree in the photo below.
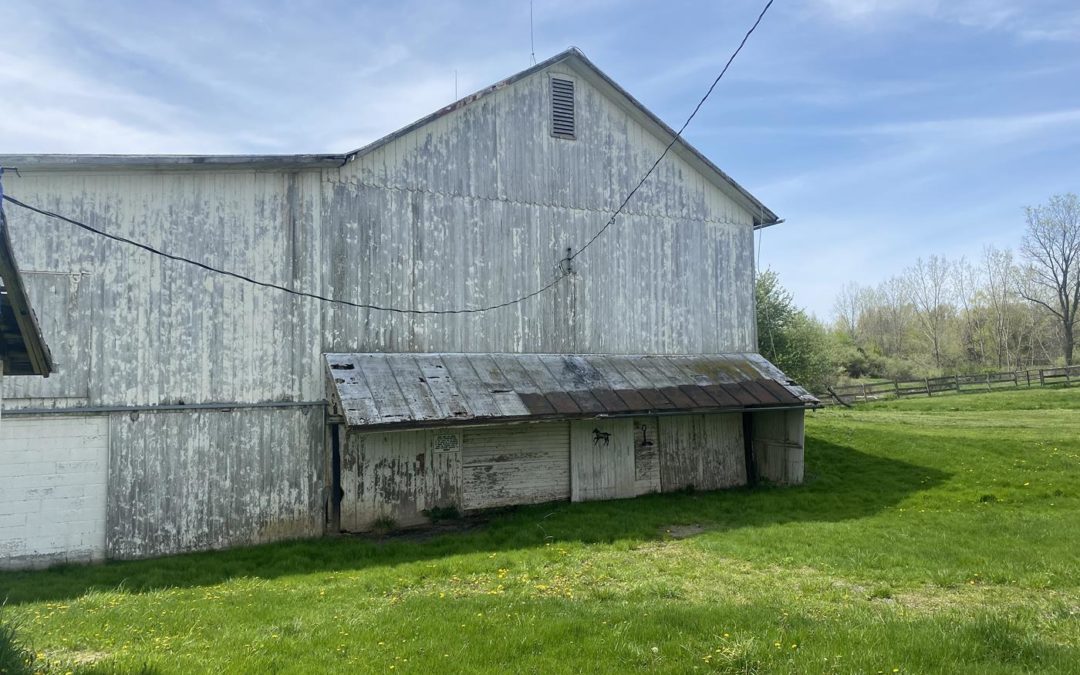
(968, 292)
(848, 308)
(1051, 248)
(1000, 275)
(928, 285)
(892, 296)
(796, 343)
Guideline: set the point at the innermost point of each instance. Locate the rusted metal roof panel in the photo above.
(423, 390)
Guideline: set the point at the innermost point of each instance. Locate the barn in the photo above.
(191, 410)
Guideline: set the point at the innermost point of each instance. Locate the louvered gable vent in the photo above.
(562, 108)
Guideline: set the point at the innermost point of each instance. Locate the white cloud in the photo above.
(1053, 21)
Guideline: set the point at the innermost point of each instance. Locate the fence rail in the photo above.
(931, 386)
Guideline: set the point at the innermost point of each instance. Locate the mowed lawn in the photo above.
(932, 535)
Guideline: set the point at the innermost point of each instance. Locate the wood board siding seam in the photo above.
(159, 408)
(607, 211)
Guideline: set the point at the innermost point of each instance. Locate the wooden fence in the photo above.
(932, 386)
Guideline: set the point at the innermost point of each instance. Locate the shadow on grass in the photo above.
(842, 484)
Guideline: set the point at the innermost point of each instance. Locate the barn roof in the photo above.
(572, 58)
(378, 390)
(22, 348)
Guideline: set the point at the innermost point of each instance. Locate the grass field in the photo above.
(932, 535)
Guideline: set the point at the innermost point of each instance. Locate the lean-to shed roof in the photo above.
(22, 348)
(401, 390)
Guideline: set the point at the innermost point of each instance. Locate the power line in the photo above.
(565, 270)
(264, 284)
(678, 134)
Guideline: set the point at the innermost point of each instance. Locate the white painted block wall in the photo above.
(52, 489)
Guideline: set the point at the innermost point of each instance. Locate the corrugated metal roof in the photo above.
(412, 390)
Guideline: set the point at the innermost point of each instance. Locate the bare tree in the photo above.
(968, 290)
(848, 308)
(1051, 247)
(1001, 275)
(896, 312)
(928, 286)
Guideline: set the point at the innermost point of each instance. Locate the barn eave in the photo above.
(394, 391)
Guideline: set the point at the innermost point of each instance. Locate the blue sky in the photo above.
(882, 130)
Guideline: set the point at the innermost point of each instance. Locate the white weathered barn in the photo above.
(191, 410)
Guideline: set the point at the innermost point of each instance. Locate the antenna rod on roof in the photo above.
(532, 38)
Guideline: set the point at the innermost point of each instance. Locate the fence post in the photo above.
(1067, 382)
(1027, 374)
(957, 378)
(988, 382)
(864, 397)
(1016, 380)
(927, 381)
(896, 385)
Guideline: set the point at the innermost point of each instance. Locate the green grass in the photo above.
(932, 535)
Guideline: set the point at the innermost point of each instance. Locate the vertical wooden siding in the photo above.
(523, 464)
(646, 455)
(705, 452)
(602, 459)
(397, 475)
(477, 207)
(209, 479)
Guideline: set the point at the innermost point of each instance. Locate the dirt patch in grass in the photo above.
(683, 531)
(420, 533)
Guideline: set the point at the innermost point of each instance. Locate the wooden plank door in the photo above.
(601, 460)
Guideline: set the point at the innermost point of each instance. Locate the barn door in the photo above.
(522, 464)
(601, 460)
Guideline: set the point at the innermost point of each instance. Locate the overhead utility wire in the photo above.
(678, 134)
(265, 284)
(565, 272)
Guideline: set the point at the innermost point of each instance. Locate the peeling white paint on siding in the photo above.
(183, 481)
(515, 464)
(646, 456)
(397, 475)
